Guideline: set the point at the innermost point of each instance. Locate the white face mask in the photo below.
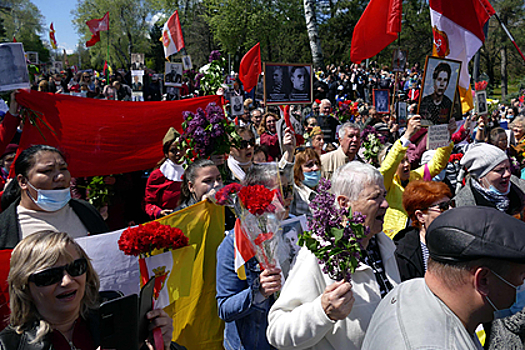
(51, 200)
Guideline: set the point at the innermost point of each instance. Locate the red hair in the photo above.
(419, 195)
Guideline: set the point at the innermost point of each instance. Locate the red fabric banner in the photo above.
(102, 137)
(176, 30)
(250, 68)
(376, 29)
(5, 257)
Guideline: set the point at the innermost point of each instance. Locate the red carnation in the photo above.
(256, 198)
(223, 195)
(143, 239)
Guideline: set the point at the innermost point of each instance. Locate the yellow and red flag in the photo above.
(52, 39)
(172, 38)
(457, 27)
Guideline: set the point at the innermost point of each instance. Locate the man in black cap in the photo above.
(475, 274)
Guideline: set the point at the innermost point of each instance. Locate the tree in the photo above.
(128, 29)
(313, 33)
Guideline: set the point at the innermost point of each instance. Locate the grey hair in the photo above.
(345, 126)
(257, 109)
(351, 179)
(519, 120)
(325, 101)
(265, 174)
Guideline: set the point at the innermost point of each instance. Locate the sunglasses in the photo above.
(245, 143)
(55, 274)
(442, 207)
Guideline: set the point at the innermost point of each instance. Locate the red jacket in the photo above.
(161, 194)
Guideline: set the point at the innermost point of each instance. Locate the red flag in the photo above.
(105, 67)
(52, 36)
(95, 27)
(376, 29)
(14, 39)
(250, 68)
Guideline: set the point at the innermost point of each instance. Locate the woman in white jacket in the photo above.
(316, 312)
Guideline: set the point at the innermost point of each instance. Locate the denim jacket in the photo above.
(245, 319)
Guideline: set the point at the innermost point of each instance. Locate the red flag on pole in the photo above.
(52, 36)
(250, 68)
(376, 29)
(14, 39)
(95, 27)
(172, 38)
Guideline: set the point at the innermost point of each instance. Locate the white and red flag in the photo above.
(457, 27)
(172, 38)
(95, 27)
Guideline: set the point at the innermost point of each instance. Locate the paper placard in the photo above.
(438, 136)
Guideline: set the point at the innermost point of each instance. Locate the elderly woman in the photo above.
(315, 312)
(518, 128)
(490, 182)
(244, 303)
(397, 171)
(42, 199)
(164, 184)
(423, 201)
(269, 136)
(307, 173)
(53, 291)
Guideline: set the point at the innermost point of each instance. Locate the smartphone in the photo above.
(119, 324)
(145, 306)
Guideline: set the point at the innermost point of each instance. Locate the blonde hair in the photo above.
(36, 252)
(262, 127)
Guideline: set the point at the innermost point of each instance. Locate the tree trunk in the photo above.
(504, 91)
(313, 33)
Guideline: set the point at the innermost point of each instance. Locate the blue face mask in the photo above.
(311, 178)
(518, 304)
(51, 200)
(495, 191)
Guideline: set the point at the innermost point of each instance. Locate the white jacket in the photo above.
(297, 319)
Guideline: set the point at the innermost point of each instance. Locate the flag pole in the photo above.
(107, 56)
(510, 36)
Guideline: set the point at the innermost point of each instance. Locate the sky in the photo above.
(59, 12)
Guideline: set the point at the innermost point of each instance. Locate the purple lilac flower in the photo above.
(214, 55)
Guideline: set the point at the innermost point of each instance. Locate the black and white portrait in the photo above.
(381, 101)
(137, 61)
(186, 62)
(481, 102)
(172, 93)
(32, 57)
(137, 84)
(13, 68)
(287, 83)
(173, 74)
(399, 60)
(57, 66)
(439, 88)
(291, 229)
(402, 114)
(237, 105)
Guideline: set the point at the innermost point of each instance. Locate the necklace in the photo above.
(70, 342)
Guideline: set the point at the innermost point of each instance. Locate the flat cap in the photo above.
(482, 158)
(470, 233)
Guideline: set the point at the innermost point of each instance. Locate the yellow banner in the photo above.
(196, 323)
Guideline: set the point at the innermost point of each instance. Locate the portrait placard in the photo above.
(137, 84)
(287, 251)
(399, 60)
(438, 90)
(287, 83)
(137, 62)
(57, 66)
(381, 100)
(173, 74)
(481, 102)
(186, 62)
(13, 68)
(32, 57)
(237, 105)
(402, 114)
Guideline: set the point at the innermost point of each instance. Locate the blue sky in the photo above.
(59, 12)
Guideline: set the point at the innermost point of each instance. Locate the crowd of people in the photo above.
(444, 254)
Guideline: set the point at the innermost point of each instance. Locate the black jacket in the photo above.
(409, 255)
(10, 229)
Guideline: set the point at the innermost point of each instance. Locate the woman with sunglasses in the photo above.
(489, 181)
(241, 156)
(269, 136)
(41, 199)
(423, 201)
(307, 173)
(53, 292)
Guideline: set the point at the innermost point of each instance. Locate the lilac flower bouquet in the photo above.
(334, 235)
(206, 133)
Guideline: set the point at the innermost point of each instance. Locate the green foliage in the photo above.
(213, 77)
(155, 56)
(99, 193)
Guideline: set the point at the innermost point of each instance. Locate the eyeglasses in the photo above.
(245, 143)
(55, 274)
(442, 207)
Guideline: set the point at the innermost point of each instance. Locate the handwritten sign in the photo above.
(438, 136)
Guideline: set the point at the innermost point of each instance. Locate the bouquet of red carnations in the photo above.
(141, 240)
(258, 210)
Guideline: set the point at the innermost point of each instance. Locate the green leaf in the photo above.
(337, 233)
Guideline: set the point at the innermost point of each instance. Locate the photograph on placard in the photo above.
(287, 83)
(237, 105)
(172, 93)
(137, 61)
(288, 250)
(399, 60)
(381, 99)
(402, 114)
(481, 102)
(186, 62)
(13, 68)
(137, 96)
(137, 84)
(438, 90)
(173, 74)
(57, 66)
(32, 57)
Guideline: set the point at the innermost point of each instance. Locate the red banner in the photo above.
(5, 257)
(102, 137)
